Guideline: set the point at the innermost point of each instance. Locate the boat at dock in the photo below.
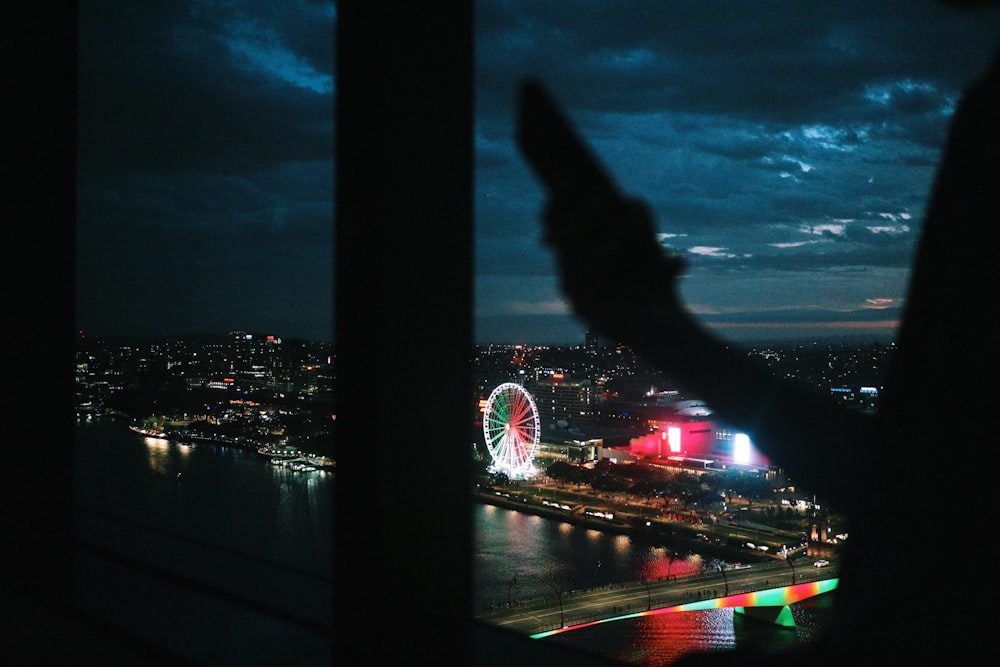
(283, 453)
(307, 463)
(149, 433)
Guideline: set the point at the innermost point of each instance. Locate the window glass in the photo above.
(204, 362)
(787, 152)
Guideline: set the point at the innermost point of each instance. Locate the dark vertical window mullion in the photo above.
(402, 565)
(39, 225)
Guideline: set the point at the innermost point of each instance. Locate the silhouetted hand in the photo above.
(618, 278)
(623, 283)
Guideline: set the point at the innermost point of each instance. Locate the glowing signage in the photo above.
(674, 438)
(741, 448)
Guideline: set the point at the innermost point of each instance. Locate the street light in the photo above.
(513, 580)
(562, 619)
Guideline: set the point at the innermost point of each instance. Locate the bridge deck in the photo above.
(762, 585)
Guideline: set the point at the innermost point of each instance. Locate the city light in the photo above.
(674, 439)
(772, 597)
(741, 448)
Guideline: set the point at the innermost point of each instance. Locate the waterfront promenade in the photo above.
(728, 542)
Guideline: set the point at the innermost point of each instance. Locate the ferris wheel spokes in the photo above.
(511, 429)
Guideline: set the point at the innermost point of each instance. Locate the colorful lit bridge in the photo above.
(763, 591)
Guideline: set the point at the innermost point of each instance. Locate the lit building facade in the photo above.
(700, 439)
(563, 402)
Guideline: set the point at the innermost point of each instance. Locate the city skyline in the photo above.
(787, 151)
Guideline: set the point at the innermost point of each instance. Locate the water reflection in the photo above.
(543, 557)
(300, 503)
(166, 458)
(214, 494)
(520, 556)
(158, 451)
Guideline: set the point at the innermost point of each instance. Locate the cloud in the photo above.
(881, 303)
(710, 252)
(787, 149)
(528, 308)
(205, 161)
(200, 85)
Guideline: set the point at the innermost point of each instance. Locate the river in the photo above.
(239, 502)
(519, 556)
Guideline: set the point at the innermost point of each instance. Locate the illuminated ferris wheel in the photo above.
(512, 428)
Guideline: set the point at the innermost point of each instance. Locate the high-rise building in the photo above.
(563, 402)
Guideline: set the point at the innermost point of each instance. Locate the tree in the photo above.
(500, 478)
(561, 471)
(608, 483)
(755, 488)
(685, 487)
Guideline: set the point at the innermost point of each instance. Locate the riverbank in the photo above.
(289, 457)
(676, 535)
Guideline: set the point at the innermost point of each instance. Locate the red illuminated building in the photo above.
(696, 439)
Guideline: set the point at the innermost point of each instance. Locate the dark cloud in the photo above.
(180, 85)
(205, 154)
(781, 143)
(768, 60)
(778, 143)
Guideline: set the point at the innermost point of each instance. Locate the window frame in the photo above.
(404, 180)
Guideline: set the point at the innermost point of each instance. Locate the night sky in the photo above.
(786, 148)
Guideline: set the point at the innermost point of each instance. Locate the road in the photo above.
(566, 608)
